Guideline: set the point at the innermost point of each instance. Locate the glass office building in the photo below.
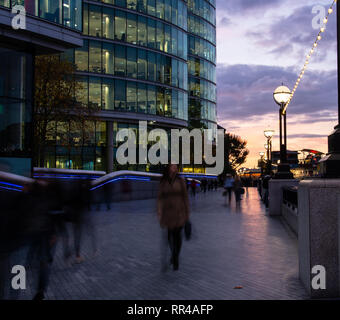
(202, 63)
(64, 12)
(51, 26)
(135, 65)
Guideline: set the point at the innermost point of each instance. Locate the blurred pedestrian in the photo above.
(265, 187)
(173, 209)
(193, 186)
(238, 190)
(228, 186)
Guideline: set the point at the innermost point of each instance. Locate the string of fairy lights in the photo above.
(309, 55)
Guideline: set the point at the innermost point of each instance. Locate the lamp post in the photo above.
(281, 96)
(269, 134)
(330, 164)
(261, 161)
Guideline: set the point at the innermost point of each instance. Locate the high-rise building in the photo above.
(141, 60)
(45, 26)
(202, 63)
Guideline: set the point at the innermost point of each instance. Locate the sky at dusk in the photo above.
(260, 44)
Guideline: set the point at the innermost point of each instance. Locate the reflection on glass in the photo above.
(142, 97)
(142, 64)
(131, 96)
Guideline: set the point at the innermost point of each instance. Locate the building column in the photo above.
(109, 146)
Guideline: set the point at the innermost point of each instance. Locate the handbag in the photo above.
(242, 191)
(187, 230)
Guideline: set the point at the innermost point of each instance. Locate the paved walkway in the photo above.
(229, 248)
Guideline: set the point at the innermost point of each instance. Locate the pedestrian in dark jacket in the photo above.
(173, 209)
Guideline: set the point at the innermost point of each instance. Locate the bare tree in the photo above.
(58, 98)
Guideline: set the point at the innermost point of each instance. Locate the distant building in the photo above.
(292, 158)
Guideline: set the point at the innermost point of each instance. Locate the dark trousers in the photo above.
(175, 243)
(229, 190)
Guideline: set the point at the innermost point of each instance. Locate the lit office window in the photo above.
(120, 25)
(81, 56)
(108, 58)
(95, 92)
(120, 60)
(72, 16)
(142, 41)
(131, 96)
(95, 57)
(160, 101)
(160, 9)
(95, 23)
(131, 28)
(160, 36)
(152, 7)
(108, 23)
(108, 94)
(51, 10)
(86, 19)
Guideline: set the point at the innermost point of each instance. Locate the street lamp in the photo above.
(269, 134)
(261, 162)
(281, 96)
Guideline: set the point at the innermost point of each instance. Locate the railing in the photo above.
(290, 197)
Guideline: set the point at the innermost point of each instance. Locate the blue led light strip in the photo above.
(12, 189)
(11, 184)
(70, 177)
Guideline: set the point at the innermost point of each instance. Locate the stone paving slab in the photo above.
(229, 248)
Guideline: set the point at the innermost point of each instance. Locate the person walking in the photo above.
(238, 187)
(173, 209)
(193, 185)
(228, 186)
(265, 187)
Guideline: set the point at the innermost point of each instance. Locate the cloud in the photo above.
(295, 34)
(246, 92)
(237, 6)
(224, 21)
